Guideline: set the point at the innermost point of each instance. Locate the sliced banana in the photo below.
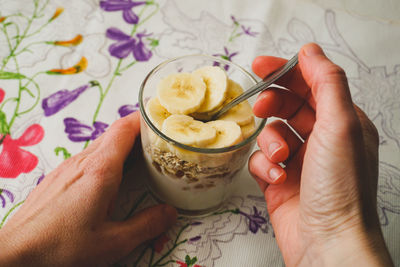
(181, 93)
(156, 141)
(216, 81)
(156, 112)
(242, 114)
(186, 155)
(248, 129)
(186, 130)
(204, 160)
(234, 90)
(228, 133)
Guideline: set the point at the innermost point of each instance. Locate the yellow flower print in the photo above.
(57, 13)
(73, 42)
(79, 67)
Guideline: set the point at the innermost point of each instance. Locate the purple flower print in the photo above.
(248, 31)
(194, 239)
(255, 220)
(235, 21)
(99, 129)
(141, 52)
(245, 30)
(60, 99)
(79, 132)
(125, 6)
(40, 179)
(227, 56)
(126, 44)
(127, 109)
(9, 195)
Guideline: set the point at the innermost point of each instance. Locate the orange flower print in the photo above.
(57, 13)
(79, 67)
(2, 19)
(73, 42)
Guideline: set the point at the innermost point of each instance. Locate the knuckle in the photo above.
(97, 166)
(74, 162)
(252, 165)
(333, 74)
(334, 70)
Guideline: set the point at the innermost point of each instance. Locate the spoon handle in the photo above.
(260, 86)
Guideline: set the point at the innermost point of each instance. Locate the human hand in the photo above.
(65, 219)
(322, 204)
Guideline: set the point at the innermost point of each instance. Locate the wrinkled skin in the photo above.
(65, 220)
(322, 204)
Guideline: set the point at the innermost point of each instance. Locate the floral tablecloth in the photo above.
(68, 69)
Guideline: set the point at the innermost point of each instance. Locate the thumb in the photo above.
(328, 83)
(145, 225)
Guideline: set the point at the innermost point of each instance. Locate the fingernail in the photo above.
(274, 174)
(312, 50)
(273, 147)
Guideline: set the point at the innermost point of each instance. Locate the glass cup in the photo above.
(194, 180)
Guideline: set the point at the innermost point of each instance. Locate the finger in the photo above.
(329, 86)
(277, 102)
(286, 105)
(145, 225)
(261, 183)
(111, 149)
(264, 65)
(261, 167)
(278, 142)
(278, 194)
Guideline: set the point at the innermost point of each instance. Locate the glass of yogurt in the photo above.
(193, 164)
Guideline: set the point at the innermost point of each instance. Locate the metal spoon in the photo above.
(258, 87)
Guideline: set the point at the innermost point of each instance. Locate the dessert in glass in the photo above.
(192, 163)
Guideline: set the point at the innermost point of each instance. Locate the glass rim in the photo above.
(178, 144)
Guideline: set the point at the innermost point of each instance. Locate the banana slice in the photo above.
(234, 90)
(242, 114)
(181, 93)
(156, 112)
(186, 130)
(216, 80)
(203, 160)
(248, 129)
(228, 133)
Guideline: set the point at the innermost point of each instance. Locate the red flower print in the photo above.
(183, 264)
(2, 93)
(13, 159)
(160, 242)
